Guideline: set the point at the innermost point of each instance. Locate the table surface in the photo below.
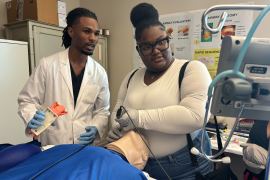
(234, 145)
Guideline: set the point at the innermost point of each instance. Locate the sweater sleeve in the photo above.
(188, 115)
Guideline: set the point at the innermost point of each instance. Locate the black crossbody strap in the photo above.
(220, 146)
(189, 140)
(181, 74)
(190, 144)
(132, 74)
(192, 156)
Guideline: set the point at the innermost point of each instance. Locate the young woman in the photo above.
(164, 113)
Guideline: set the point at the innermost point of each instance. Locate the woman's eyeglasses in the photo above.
(146, 48)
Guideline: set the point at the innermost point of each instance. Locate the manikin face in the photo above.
(154, 50)
(84, 34)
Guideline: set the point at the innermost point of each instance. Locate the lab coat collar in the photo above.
(65, 69)
(87, 77)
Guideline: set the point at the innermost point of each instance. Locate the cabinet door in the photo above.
(100, 53)
(46, 42)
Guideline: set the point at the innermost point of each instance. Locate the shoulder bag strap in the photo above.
(132, 74)
(219, 142)
(181, 74)
(189, 140)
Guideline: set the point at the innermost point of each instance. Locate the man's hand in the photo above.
(89, 136)
(37, 120)
(126, 122)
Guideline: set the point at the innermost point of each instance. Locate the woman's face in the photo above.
(154, 50)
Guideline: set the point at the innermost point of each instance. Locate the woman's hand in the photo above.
(129, 120)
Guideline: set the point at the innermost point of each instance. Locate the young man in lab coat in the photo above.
(71, 78)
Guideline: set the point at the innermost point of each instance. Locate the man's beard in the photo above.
(88, 53)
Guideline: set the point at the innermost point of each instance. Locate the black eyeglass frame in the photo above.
(153, 46)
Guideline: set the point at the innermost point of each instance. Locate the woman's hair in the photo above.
(143, 16)
(71, 19)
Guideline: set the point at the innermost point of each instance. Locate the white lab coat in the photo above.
(51, 82)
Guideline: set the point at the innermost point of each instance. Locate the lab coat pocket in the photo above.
(90, 94)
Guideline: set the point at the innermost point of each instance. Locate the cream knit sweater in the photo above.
(163, 118)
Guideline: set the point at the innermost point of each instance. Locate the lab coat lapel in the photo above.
(65, 70)
(86, 79)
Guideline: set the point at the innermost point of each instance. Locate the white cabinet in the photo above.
(101, 53)
(45, 39)
(14, 72)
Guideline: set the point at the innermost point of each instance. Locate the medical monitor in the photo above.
(255, 66)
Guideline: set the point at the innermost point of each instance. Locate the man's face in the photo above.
(84, 35)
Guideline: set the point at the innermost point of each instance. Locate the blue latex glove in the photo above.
(37, 120)
(89, 136)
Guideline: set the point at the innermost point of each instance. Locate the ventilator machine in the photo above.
(241, 87)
